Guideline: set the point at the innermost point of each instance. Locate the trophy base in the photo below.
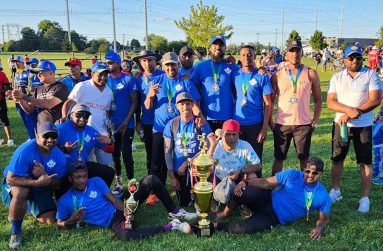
(202, 230)
(128, 225)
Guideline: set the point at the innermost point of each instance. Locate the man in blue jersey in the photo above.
(34, 80)
(90, 201)
(34, 170)
(75, 75)
(122, 110)
(181, 143)
(162, 96)
(299, 193)
(77, 140)
(277, 55)
(147, 61)
(213, 78)
(253, 105)
(186, 57)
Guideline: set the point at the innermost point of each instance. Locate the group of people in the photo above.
(85, 125)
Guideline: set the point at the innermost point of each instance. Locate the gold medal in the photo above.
(244, 102)
(170, 108)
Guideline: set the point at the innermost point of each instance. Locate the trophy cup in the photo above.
(131, 205)
(203, 189)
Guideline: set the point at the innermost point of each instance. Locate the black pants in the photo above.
(123, 145)
(250, 133)
(148, 135)
(95, 169)
(183, 195)
(158, 167)
(259, 201)
(215, 124)
(149, 184)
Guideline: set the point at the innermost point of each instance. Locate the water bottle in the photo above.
(142, 135)
(344, 133)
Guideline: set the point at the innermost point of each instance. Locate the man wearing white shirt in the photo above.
(98, 97)
(353, 94)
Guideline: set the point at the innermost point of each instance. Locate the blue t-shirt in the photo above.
(189, 72)
(122, 87)
(258, 86)
(215, 104)
(143, 84)
(289, 200)
(34, 80)
(377, 133)
(187, 131)
(161, 102)
(68, 132)
(69, 82)
(22, 77)
(98, 210)
(278, 59)
(22, 164)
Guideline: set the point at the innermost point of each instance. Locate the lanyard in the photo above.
(81, 142)
(145, 78)
(216, 73)
(74, 199)
(169, 91)
(245, 82)
(294, 82)
(309, 196)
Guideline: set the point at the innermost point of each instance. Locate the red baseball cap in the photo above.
(231, 125)
(74, 61)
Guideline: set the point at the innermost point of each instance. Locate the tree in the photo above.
(203, 23)
(176, 46)
(10, 46)
(317, 41)
(158, 43)
(29, 41)
(78, 40)
(103, 45)
(135, 44)
(380, 41)
(294, 35)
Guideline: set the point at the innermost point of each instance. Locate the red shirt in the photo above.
(3, 81)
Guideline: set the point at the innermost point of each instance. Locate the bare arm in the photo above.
(274, 83)
(268, 183)
(374, 98)
(149, 101)
(43, 180)
(317, 95)
(316, 233)
(73, 219)
(115, 201)
(336, 106)
(267, 114)
(66, 107)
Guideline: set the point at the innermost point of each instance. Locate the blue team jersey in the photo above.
(98, 210)
(161, 102)
(122, 87)
(143, 84)
(289, 200)
(187, 131)
(278, 59)
(183, 72)
(34, 80)
(215, 104)
(22, 77)
(22, 161)
(68, 132)
(69, 82)
(258, 86)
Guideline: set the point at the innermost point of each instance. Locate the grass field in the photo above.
(348, 229)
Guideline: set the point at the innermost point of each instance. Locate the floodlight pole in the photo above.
(68, 21)
(114, 28)
(146, 26)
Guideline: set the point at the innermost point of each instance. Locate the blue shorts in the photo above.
(39, 201)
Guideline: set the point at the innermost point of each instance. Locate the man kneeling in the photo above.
(90, 200)
(299, 194)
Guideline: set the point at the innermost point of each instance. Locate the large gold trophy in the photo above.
(203, 189)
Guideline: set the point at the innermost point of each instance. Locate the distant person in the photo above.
(353, 94)
(186, 57)
(373, 57)
(277, 55)
(75, 75)
(126, 66)
(34, 80)
(94, 59)
(318, 58)
(5, 86)
(326, 57)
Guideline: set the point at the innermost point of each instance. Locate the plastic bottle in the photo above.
(344, 133)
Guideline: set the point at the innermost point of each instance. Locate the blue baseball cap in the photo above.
(353, 49)
(99, 67)
(274, 49)
(33, 61)
(45, 65)
(18, 59)
(112, 56)
(218, 37)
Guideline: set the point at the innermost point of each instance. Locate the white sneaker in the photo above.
(15, 241)
(119, 186)
(181, 226)
(364, 205)
(335, 195)
(2, 141)
(10, 142)
(182, 214)
(134, 147)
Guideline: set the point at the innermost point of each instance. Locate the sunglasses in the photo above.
(315, 173)
(51, 135)
(357, 57)
(83, 115)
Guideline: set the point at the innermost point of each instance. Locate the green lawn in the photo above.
(348, 230)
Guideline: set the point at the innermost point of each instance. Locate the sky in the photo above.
(253, 20)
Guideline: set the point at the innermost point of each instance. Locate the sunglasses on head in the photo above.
(315, 173)
(51, 135)
(83, 115)
(355, 56)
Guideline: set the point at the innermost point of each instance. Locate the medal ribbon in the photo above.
(309, 199)
(186, 135)
(74, 199)
(169, 91)
(216, 73)
(81, 142)
(245, 83)
(294, 83)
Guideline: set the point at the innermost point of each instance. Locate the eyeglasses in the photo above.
(52, 135)
(315, 173)
(355, 56)
(83, 115)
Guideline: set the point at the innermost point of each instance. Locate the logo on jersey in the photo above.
(119, 86)
(253, 81)
(51, 163)
(178, 87)
(227, 70)
(93, 194)
(87, 138)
